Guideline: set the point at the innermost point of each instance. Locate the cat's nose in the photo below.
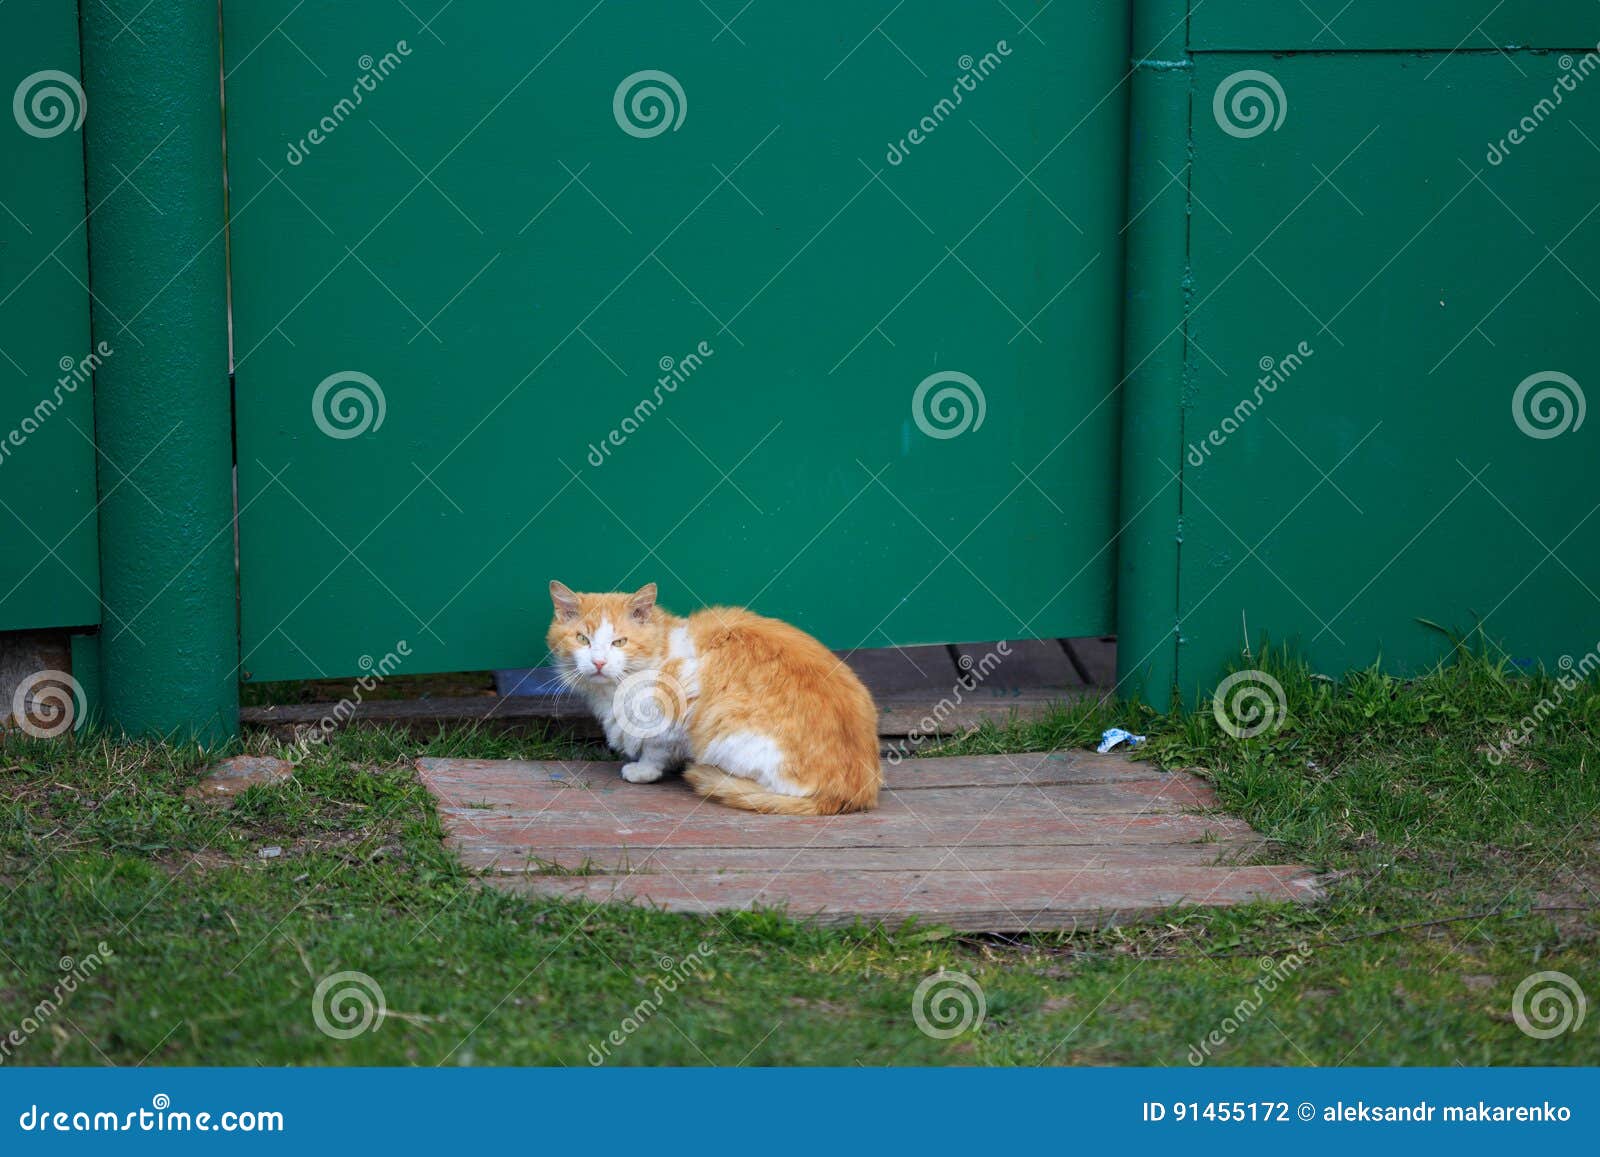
(599, 664)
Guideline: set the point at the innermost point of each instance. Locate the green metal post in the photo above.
(1154, 352)
(169, 638)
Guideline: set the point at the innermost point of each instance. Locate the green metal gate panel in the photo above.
(836, 334)
(1391, 335)
(49, 573)
(1342, 25)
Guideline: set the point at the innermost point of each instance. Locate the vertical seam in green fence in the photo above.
(1155, 351)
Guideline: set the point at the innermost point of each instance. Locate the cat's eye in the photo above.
(618, 642)
(584, 639)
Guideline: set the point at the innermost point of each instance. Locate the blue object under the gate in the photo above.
(530, 681)
(1113, 736)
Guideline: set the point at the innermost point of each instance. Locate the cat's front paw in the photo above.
(640, 772)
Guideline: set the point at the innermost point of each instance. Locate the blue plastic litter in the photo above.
(1114, 736)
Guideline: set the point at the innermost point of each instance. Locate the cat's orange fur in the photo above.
(760, 715)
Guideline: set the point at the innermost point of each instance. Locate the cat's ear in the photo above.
(642, 601)
(566, 603)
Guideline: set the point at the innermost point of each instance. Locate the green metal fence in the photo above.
(1203, 322)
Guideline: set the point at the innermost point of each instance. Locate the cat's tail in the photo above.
(734, 791)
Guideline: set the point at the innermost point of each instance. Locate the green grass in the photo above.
(1455, 879)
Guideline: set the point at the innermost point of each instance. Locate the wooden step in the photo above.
(999, 842)
(978, 899)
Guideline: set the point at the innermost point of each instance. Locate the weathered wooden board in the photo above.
(664, 800)
(451, 776)
(1004, 842)
(484, 855)
(709, 827)
(1005, 901)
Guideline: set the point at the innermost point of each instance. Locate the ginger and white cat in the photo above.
(759, 714)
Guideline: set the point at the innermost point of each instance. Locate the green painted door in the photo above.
(814, 308)
(49, 551)
(1391, 337)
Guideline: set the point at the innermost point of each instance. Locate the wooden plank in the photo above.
(672, 797)
(890, 671)
(1003, 843)
(482, 855)
(1098, 658)
(1038, 768)
(1002, 901)
(716, 826)
(1030, 665)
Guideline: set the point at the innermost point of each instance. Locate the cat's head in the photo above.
(598, 639)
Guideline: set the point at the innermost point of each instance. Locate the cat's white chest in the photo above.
(648, 709)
